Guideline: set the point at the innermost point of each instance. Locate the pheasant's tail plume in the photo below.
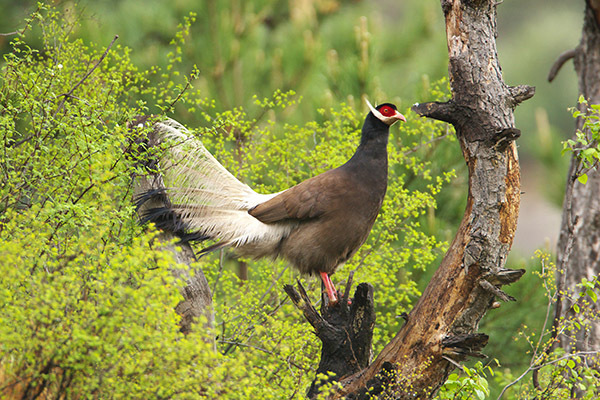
(195, 197)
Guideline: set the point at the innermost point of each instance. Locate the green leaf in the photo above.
(592, 295)
(452, 378)
(583, 179)
(480, 393)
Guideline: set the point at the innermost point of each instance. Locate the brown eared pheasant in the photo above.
(316, 225)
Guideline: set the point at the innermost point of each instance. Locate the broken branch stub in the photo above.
(345, 330)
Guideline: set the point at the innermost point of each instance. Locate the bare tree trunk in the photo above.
(197, 299)
(441, 330)
(579, 241)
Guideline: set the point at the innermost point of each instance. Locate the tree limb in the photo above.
(560, 61)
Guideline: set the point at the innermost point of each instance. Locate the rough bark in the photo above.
(441, 330)
(579, 241)
(345, 330)
(197, 299)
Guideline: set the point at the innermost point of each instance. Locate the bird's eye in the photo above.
(387, 111)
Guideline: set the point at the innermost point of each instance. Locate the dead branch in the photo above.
(560, 61)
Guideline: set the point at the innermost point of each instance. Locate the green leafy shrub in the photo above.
(585, 146)
(546, 371)
(471, 385)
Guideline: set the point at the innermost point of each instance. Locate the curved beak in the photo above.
(399, 116)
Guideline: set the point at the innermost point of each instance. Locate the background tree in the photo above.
(579, 242)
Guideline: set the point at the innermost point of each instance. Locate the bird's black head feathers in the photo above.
(378, 122)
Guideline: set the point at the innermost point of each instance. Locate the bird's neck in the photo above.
(370, 158)
(369, 162)
(373, 141)
(375, 137)
(372, 150)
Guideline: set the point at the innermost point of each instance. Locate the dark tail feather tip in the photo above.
(214, 247)
(154, 194)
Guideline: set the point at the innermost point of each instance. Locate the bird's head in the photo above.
(386, 113)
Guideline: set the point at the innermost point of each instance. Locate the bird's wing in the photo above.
(309, 199)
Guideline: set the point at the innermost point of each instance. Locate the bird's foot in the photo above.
(329, 288)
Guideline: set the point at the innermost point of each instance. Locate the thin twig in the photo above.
(451, 361)
(214, 290)
(70, 92)
(10, 33)
(239, 344)
(551, 300)
(188, 84)
(276, 281)
(419, 146)
(537, 367)
(27, 25)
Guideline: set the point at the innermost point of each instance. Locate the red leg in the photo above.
(329, 288)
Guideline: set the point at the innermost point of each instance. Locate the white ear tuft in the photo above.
(374, 111)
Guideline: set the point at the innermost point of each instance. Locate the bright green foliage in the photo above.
(586, 145)
(557, 372)
(88, 304)
(472, 385)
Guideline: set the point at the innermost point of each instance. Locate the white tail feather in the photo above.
(209, 199)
